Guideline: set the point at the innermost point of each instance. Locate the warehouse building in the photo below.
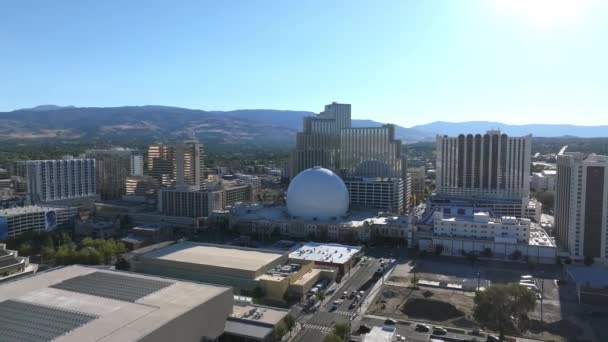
(77, 303)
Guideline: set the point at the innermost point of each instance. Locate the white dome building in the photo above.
(317, 194)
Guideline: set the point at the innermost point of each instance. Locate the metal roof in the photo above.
(247, 329)
(26, 322)
(114, 286)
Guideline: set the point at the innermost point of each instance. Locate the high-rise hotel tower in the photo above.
(581, 205)
(490, 170)
(363, 155)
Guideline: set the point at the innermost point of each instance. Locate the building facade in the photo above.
(543, 181)
(483, 227)
(189, 202)
(113, 166)
(489, 165)
(381, 194)
(180, 164)
(418, 179)
(57, 180)
(581, 205)
(20, 220)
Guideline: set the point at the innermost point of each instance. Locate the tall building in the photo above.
(330, 141)
(144, 186)
(581, 205)
(58, 180)
(418, 177)
(489, 165)
(113, 166)
(180, 164)
(186, 202)
(490, 171)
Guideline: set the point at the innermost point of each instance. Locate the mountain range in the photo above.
(248, 126)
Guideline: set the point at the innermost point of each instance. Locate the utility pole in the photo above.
(478, 278)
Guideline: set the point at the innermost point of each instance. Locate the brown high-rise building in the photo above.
(180, 164)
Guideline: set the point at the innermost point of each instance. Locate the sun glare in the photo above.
(545, 14)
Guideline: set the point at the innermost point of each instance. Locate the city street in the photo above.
(318, 324)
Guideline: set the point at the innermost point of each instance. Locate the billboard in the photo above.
(50, 220)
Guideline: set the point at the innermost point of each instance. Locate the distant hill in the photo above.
(162, 123)
(537, 130)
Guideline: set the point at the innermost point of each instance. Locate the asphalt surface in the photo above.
(321, 322)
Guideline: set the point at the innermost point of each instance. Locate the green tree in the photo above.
(290, 322)
(279, 331)
(25, 249)
(257, 293)
(588, 260)
(332, 338)
(414, 280)
(342, 330)
(504, 308)
(122, 264)
(48, 254)
(320, 296)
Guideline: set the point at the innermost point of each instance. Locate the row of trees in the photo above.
(58, 248)
(340, 333)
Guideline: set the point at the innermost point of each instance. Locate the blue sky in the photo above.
(404, 61)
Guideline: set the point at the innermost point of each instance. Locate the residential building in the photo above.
(380, 194)
(78, 303)
(418, 179)
(113, 166)
(581, 205)
(180, 164)
(189, 202)
(142, 186)
(60, 180)
(20, 220)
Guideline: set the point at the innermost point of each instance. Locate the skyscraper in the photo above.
(489, 171)
(489, 165)
(581, 205)
(113, 166)
(180, 164)
(330, 141)
(57, 180)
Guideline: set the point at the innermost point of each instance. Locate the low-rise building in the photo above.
(543, 181)
(328, 254)
(78, 303)
(11, 264)
(34, 218)
(381, 194)
(483, 227)
(252, 323)
(96, 228)
(189, 202)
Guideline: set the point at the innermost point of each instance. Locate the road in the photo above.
(321, 322)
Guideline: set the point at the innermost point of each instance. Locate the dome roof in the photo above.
(317, 193)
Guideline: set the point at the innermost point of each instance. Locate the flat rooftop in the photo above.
(216, 255)
(78, 303)
(330, 252)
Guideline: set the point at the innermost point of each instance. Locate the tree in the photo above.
(257, 293)
(48, 253)
(332, 338)
(290, 322)
(279, 331)
(25, 249)
(341, 330)
(320, 296)
(487, 253)
(588, 260)
(504, 307)
(414, 281)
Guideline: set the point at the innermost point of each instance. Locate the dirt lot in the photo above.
(454, 308)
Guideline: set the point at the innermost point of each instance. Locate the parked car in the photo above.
(353, 293)
(389, 321)
(492, 338)
(422, 328)
(439, 331)
(361, 293)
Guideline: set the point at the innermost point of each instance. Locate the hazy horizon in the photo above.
(404, 62)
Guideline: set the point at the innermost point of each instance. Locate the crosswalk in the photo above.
(339, 312)
(320, 328)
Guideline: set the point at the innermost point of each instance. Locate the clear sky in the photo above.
(403, 61)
